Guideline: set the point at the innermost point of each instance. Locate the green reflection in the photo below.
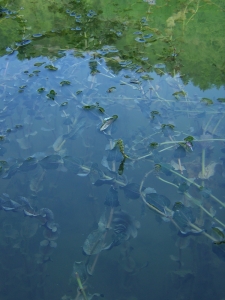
(186, 35)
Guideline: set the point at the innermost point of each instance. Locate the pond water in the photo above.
(112, 149)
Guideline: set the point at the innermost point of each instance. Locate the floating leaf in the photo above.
(146, 77)
(65, 82)
(51, 94)
(119, 143)
(171, 126)
(92, 106)
(18, 126)
(107, 122)
(189, 138)
(207, 101)
(64, 104)
(135, 81)
(167, 129)
(154, 113)
(101, 109)
(40, 90)
(157, 167)
(39, 64)
(111, 89)
(121, 166)
(178, 94)
(154, 145)
(221, 100)
(50, 67)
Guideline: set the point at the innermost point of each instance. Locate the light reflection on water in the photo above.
(42, 114)
(36, 125)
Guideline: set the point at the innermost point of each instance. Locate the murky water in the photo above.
(112, 150)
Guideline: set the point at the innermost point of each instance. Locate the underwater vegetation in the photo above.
(112, 150)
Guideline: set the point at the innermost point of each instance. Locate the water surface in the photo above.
(109, 109)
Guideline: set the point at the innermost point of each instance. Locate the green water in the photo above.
(110, 106)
